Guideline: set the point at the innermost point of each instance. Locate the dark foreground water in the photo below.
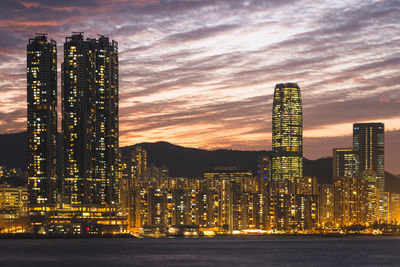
(247, 251)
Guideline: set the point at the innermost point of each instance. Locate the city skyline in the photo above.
(337, 55)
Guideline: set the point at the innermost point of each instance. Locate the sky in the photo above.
(202, 73)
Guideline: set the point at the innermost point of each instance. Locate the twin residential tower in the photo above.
(42, 121)
(89, 88)
(90, 120)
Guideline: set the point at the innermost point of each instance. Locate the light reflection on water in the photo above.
(242, 251)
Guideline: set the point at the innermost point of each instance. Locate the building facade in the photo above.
(139, 157)
(90, 121)
(369, 146)
(42, 122)
(349, 201)
(371, 197)
(13, 198)
(264, 167)
(287, 133)
(344, 163)
(326, 206)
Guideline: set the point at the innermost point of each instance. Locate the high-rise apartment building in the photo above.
(90, 121)
(325, 205)
(42, 122)
(292, 205)
(347, 187)
(369, 145)
(228, 183)
(349, 201)
(287, 133)
(394, 207)
(371, 196)
(344, 163)
(306, 186)
(139, 158)
(127, 189)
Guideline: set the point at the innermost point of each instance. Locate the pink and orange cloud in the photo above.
(202, 73)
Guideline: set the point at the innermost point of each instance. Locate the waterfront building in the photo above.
(13, 208)
(370, 210)
(127, 189)
(227, 200)
(369, 146)
(13, 198)
(167, 201)
(42, 123)
(349, 201)
(287, 133)
(326, 205)
(394, 208)
(347, 187)
(306, 212)
(90, 121)
(229, 183)
(292, 206)
(224, 200)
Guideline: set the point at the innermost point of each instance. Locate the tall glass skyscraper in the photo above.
(369, 144)
(287, 133)
(90, 120)
(42, 121)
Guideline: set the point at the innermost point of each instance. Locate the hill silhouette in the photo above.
(13, 150)
(184, 161)
(192, 162)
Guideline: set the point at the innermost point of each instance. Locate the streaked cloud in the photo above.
(202, 73)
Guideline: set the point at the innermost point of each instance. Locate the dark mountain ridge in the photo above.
(192, 162)
(186, 162)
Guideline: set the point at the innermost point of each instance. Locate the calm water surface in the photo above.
(248, 251)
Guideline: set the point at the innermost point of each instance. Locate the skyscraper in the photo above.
(287, 133)
(90, 120)
(42, 121)
(369, 144)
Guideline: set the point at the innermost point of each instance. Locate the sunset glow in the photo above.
(202, 73)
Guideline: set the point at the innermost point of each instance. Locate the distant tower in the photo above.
(139, 158)
(90, 120)
(344, 163)
(42, 121)
(287, 133)
(264, 167)
(369, 144)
